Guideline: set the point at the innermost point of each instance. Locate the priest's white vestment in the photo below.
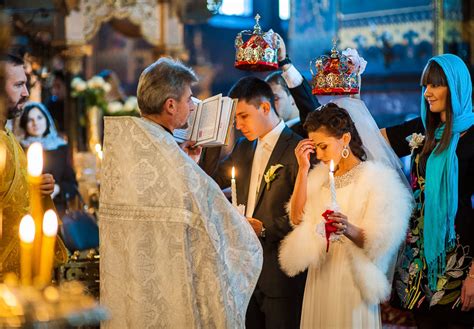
(174, 253)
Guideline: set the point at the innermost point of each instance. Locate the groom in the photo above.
(266, 170)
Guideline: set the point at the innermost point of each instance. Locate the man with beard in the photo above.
(14, 196)
(174, 253)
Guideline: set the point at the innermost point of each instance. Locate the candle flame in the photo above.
(50, 223)
(27, 229)
(98, 148)
(35, 159)
(100, 155)
(8, 297)
(331, 166)
(233, 172)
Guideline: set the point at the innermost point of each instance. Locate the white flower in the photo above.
(95, 82)
(131, 104)
(114, 107)
(107, 87)
(270, 175)
(81, 86)
(78, 84)
(359, 62)
(414, 141)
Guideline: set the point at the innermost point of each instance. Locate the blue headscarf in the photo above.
(441, 187)
(49, 142)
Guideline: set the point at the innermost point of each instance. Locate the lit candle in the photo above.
(99, 156)
(27, 236)
(332, 186)
(98, 151)
(233, 188)
(50, 229)
(35, 168)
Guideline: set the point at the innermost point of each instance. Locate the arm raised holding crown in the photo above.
(298, 86)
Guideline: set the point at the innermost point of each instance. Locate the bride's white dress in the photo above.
(345, 285)
(331, 298)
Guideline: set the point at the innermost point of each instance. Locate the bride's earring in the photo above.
(345, 152)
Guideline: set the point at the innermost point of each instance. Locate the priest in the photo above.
(174, 252)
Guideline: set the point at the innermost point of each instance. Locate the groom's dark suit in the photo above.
(277, 295)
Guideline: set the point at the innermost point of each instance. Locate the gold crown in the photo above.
(335, 75)
(259, 52)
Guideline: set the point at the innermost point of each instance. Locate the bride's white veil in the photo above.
(374, 144)
(375, 147)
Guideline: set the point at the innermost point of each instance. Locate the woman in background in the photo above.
(38, 126)
(435, 274)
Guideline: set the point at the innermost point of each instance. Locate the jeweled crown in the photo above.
(259, 52)
(334, 74)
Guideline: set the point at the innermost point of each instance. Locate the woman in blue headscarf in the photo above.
(435, 274)
(38, 126)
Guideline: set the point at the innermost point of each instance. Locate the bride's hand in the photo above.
(341, 222)
(303, 151)
(344, 227)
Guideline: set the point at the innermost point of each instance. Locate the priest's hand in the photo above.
(256, 225)
(47, 184)
(194, 152)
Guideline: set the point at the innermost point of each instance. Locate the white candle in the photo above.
(233, 188)
(98, 151)
(98, 161)
(35, 168)
(50, 229)
(27, 236)
(332, 186)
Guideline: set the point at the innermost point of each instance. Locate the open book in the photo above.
(211, 123)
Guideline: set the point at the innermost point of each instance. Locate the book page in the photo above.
(226, 122)
(226, 111)
(208, 124)
(230, 124)
(185, 133)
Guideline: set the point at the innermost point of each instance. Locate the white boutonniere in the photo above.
(271, 174)
(414, 141)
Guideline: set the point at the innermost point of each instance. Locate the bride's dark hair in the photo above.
(336, 121)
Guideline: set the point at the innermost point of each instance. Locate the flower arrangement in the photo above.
(93, 91)
(130, 107)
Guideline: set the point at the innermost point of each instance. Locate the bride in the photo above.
(346, 282)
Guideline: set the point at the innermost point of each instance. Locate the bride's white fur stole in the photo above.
(377, 202)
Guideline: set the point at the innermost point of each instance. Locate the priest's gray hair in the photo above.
(166, 78)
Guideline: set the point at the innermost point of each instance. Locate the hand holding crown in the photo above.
(282, 49)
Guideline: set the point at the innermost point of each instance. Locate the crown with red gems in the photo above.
(334, 75)
(259, 52)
